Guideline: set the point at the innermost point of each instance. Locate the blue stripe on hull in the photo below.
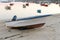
(33, 17)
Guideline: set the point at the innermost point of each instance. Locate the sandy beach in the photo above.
(50, 31)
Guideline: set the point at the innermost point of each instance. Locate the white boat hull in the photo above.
(25, 22)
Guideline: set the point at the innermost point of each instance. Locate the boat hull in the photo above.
(25, 22)
(28, 27)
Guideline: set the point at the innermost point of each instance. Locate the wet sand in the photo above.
(50, 31)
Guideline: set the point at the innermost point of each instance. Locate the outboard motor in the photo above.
(14, 18)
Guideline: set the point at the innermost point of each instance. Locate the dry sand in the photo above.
(50, 31)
